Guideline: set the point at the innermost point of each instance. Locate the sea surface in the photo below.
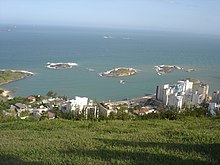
(31, 47)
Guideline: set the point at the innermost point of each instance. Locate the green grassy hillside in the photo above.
(191, 141)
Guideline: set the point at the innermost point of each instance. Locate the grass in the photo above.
(190, 141)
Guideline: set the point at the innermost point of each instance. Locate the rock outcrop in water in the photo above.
(164, 69)
(119, 72)
(61, 65)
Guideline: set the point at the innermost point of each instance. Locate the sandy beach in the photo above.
(6, 93)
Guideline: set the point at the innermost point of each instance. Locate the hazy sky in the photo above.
(202, 16)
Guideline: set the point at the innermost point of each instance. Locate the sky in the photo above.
(196, 16)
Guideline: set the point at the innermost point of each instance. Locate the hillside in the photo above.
(190, 141)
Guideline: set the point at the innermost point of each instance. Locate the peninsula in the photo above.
(7, 76)
(119, 72)
(61, 65)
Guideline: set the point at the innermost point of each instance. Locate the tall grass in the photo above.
(188, 141)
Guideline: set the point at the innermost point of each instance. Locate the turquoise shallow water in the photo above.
(30, 48)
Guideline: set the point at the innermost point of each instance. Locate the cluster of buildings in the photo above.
(183, 92)
(48, 107)
(188, 93)
(214, 104)
(79, 106)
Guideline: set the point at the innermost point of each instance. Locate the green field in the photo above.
(188, 141)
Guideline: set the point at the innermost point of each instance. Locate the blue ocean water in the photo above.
(31, 47)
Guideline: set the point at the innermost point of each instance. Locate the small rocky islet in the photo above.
(119, 72)
(61, 65)
(164, 69)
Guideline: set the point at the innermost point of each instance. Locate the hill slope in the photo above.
(192, 141)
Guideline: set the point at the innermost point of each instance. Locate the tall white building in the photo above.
(162, 93)
(203, 92)
(175, 100)
(188, 87)
(213, 107)
(195, 99)
(79, 103)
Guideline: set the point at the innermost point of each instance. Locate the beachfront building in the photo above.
(214, 105)
(203, 91)
(162, 93)
(176, 100)
(144, 110)
(216, 97)
(80, 105)
(104, 111)
(91, 112)
(213, 108)
(182, 93)
(77, 104)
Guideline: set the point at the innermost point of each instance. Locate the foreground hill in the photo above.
(190, 141)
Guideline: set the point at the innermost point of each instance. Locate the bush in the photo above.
(195, 111)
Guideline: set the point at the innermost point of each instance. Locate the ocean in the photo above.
(31, 47)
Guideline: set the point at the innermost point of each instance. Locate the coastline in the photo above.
(24, 74)
(6, 93)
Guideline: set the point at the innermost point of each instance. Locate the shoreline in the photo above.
(8, 93)
(26, 74)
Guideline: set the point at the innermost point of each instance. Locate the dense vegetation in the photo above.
(193, 140)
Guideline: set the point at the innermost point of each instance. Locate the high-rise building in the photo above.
(175, 100)
(216, 97)
(162, 93)
(203, 91)
(182, 92)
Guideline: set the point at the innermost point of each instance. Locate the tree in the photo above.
(51, 94)
(122, 114)
(1, 91)
(69, 115)
(112, 115)
(58, 113)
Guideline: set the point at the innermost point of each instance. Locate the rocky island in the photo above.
(61, 65)
(164, 69)
(119, 72)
